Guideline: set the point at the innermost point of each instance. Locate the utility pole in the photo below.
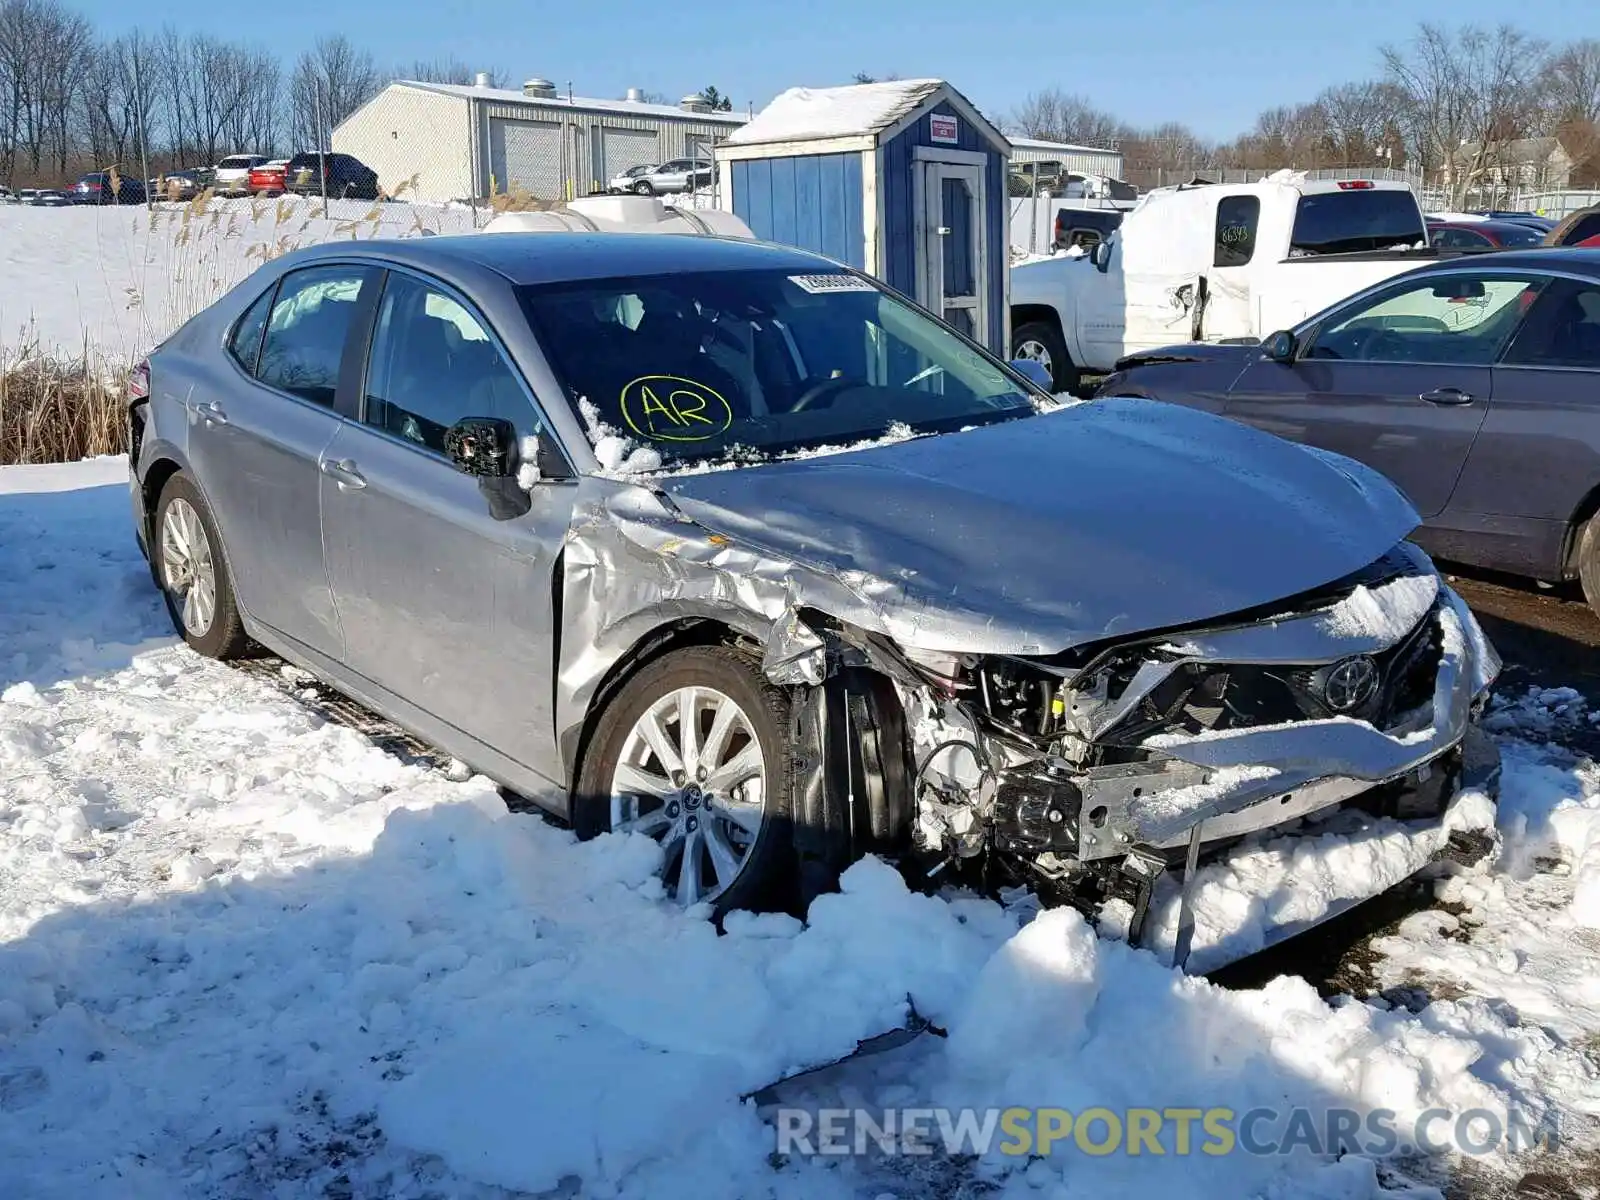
(144, 141)
(322, 155)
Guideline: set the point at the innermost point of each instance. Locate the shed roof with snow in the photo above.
(905, 180)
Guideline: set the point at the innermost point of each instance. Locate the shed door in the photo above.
(526, 155)
(951, 277)
(624, 148)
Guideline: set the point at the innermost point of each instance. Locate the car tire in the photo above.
(754, 824)
(1589, 561)
(1042, 342)
(184, 562)
(643, 188)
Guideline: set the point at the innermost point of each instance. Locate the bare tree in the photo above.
(1571, 87)
(1468, 95)
(1056, 116)
(1361, 123)
(118, 105)
(43, 52)
(449, 70)
(330, 82)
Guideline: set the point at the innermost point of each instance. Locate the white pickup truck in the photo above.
(1213, 262)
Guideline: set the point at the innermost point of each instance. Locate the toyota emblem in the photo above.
(1350, 684)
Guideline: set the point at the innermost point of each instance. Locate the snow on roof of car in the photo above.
(513, 96)
(804, 114)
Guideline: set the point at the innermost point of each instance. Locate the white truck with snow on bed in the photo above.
(1212, 262)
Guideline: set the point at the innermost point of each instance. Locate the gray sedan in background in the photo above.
(729, 546)
(1474, 384)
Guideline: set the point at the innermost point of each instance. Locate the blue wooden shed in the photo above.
(905, 180)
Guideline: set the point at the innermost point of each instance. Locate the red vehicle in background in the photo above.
(267, 179)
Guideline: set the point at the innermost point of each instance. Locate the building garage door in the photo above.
(526, 155)
(624, 148)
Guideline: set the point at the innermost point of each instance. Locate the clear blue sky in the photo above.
(1211, 65)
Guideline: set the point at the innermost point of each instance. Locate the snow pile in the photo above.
(1384, 613)
(801, 114)
(116, 281)
(1265, 891)
(245, 953)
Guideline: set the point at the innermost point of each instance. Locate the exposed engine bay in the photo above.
(1088, 775)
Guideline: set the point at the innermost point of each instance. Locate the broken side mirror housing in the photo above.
(1034, 372)
(1281, 346)
(482, 446)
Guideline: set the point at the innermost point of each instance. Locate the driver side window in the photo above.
(432, 364)
(1458, 319)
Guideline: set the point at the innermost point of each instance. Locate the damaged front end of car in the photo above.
(1099, 776)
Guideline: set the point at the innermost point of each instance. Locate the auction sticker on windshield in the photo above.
(670, 408)
(819, 285)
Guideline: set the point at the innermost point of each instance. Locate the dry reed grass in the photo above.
(56, 408)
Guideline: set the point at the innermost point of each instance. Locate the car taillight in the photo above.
(1355, 185)
(139, 382)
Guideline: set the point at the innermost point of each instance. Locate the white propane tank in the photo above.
(621, 214)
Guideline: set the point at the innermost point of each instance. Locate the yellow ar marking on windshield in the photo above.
(688, 406)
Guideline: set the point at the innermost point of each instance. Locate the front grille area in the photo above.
(1200, 697)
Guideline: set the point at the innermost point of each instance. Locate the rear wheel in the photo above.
(643, 188)
(1589, 562)
(192, 569)
(1041, 342)
(693, 753)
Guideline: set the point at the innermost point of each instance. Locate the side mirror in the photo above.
(482, 446)
(1033, 371)
(1282, 346)
(1101, 256)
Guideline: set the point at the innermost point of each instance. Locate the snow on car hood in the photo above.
(1109, 518)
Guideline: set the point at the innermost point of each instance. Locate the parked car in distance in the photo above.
(1575, 228)
(347, 177)
(1212, 262)
(679, 175)
(1533, 220)
(267, 179)
(1483, 235)
(183, 184)
(108, 187)
(1470, 383)
(49, 197)
(232, 174)
(623, 181)
(1086, 227)
(562, 506)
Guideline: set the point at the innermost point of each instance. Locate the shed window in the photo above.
(1237, 218)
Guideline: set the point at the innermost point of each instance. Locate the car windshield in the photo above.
(1356, 219)
(1518, 235)
(697, 366)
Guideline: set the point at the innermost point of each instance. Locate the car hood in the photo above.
(1192, 352)
(1103, 519)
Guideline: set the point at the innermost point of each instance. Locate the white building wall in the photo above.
(404, 133)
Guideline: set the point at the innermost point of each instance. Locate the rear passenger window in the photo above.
(434, 364)
(306, 335)
(1563, 330)
(1237, 218)
(245, 344)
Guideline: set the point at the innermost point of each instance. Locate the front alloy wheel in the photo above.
(693, 752)
(691, 776)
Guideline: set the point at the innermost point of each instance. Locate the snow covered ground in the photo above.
(115, 281)
(246, 953)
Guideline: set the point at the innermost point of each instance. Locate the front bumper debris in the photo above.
(1137, 820)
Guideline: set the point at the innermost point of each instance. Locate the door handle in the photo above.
(1446, 395)
(210, 412)
(344, 473)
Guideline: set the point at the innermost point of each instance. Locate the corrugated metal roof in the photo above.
(806, 114)
(1063, 147)
(586, 103)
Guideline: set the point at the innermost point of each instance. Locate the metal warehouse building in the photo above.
(1079, 160)
(456, 142)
